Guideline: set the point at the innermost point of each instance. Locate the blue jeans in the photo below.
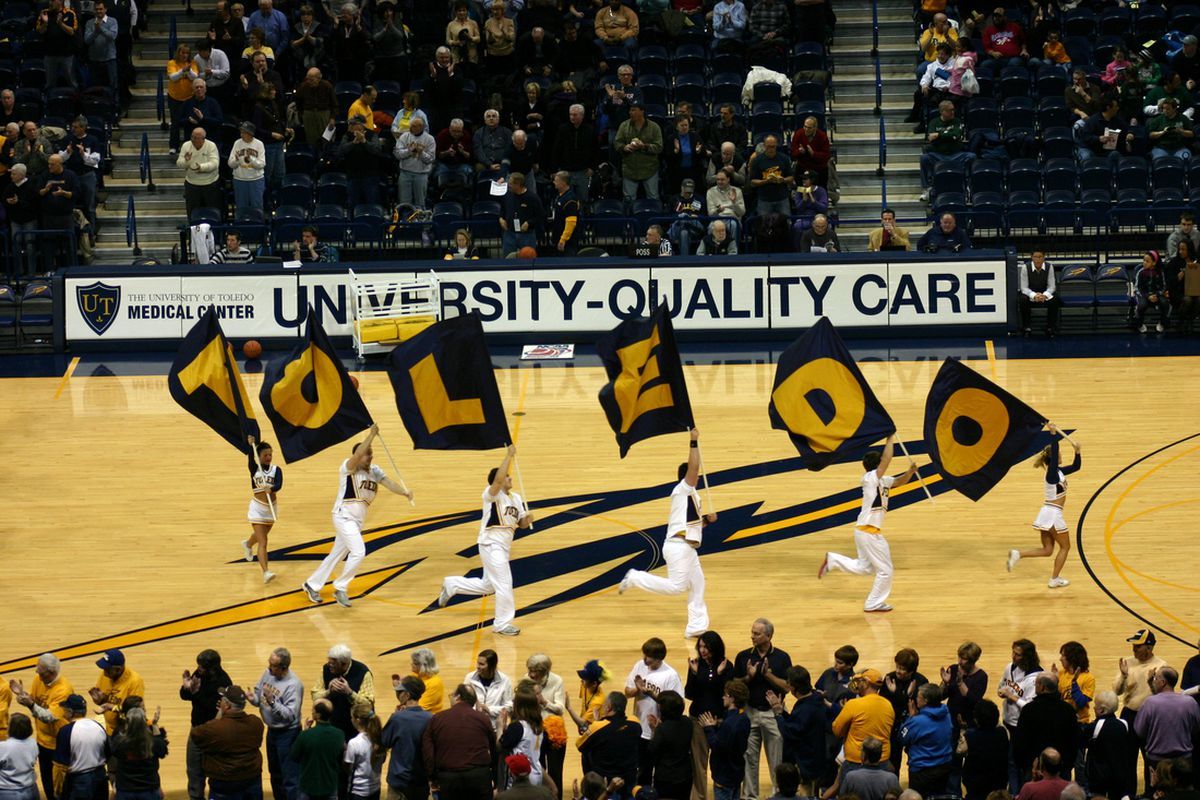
(629, 187)
(235, 790)
(1183, 152)
(85, 198)
(275, 168)
(726, 792)
(443, 171)
(90, 785)
(1087, 154)
(28, 793)
(285, 772)
(512, 241)
(930, 160)
(783, 206)
(249, 194)
(137, 795)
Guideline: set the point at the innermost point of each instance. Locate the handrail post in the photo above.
(172, 38)
(131, 236)
(160, 102)
(874, 27)
(144, 165)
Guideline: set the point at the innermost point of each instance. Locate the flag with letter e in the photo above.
(205, 380)
(309, 398)
(975, 431)
(446, 390)
(646, 394)
(823, 401)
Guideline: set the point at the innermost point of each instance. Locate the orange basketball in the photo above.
(354, 380)
(527, 252)
(252, 349)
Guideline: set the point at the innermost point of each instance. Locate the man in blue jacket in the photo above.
(728, 740)
(945, 237)
(927, 737)
(803, 729)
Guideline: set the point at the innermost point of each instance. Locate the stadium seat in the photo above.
(37, 309)
(1168, 172)
(767, 92)
(1052, 113)
(949, 203)
(1150, 22)
(808, 92)
(1096, 175)
(607, 221)
(808, 57)
(983, 113)
(446, 217)
(1115, 21)
(485, 219)
(333, 188)
(727, 61)
(1059, 212)
(645, 209)
(653, 89)
(1114, 292)
(1058, 143)
(689, 58)
(1077, 289)
(9, 310)
(213, 216)
(803, 110)
(1102, 52)
(391, 95)
(347, 92)
(290, 213)
(1017, 114)
(616, 57)
(1095, 207)
(1132, 173)
(249, 216)
(652, 59)
(296, 190)
(1023, 209)
(1014, 82)
(1168, 204)
(726, 87)
(987, 175)
(1024, 175)
(299, 158)
(1079, 50)
(985, 212)
(690, 88)
(1184, 18)
(1059, 175)
(1132, 209)
(1079, 22)
(949, 178)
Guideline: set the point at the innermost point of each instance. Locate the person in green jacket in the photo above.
(639, 141)
(945, 142)
(319, 750)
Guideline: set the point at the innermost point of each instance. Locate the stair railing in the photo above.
(144, 164)
(131, 235)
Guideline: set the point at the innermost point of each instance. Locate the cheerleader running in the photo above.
(1050, 523)
(266, 479)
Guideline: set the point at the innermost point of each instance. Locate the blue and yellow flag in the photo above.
(646, 394)
(309, 398)
(446, 390)
(823, 401)
(205, 380)
(975, 431)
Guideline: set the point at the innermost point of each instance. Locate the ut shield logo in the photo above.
(98, 305)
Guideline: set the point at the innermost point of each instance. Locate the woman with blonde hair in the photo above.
(1050, 523)
(425, 667)
(500, 35)
(180, 74)
(365, 753)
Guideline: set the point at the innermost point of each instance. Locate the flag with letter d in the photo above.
(975, 431)
(446, 390)
(205, 380)
(823, 401)
(646, 394)
(309, 398)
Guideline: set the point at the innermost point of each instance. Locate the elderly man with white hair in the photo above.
(201, 162)
(345, 683)
(279, 697)
(1109, 743)
(21, 205)
(718, 241)
(44, 699)
(491, 142)
(575, 150)
(416, 151)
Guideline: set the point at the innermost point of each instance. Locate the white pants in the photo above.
(764, 734)
(497, 580)
(683, 575)
(874, 558)
(347, 544)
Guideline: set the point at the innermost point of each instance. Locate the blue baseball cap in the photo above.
(111, 658)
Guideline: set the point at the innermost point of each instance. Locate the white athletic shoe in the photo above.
(507, 630)
(443, 598)
(313, 595)
(247, 551)
(1013, 557)
(1159, 327)
(878, 609)
(268, 576)
(1142, 329)
(342, 598)
(624, 587)
(924, 198)
(1058, 583)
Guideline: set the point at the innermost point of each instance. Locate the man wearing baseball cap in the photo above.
(519, 767)
(1132, 683)
(869, 714)
(116, 682)
(79, 754)
(231, 748)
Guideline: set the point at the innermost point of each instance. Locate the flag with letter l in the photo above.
(823, 401)
(309, 398)
(646, 394)
(446, 391)
(205, 380)
(975, 431)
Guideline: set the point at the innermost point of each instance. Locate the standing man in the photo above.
(874, 555)
(114, 685)
(650, 677)
(770, 172)
(523, 215)
(684, 532)
(406, 778)
(415, 150)
(458, 749)
(609, 746)
(202, 164)
(866, 716)
(1168, 722)
(231, 746)
(344, 683)
(1045, 721)
(279, 697)
(100, 36)
(727, 742)
(564, 214)
(81, 155)
(575, 151)
(319, 751)
(80, 753)
(493, 689)
(57, 190)
(57, 25)
(1035, 285)
(358, 482)
(639, 142)
(1132, 683)
(503, 512)
(202, 688)
(44, 700)
(764, 668)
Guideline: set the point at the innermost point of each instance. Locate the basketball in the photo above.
(354, 380)
(527, 252)
(252, 349)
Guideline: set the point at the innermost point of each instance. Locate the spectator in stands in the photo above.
(530, 113)
(225, 32)
(1083, 97)
(81, 753)
(619, 97)
(307, 40)
(727, 741)
(871, 779)
(82, 155)
(260, 74)
(454, 155)
(490, 143)
(458, 746)
(889, 235)
(1149, 286)
(201, 187)
(274, 25)
(1171, 133)
(202, 111)
(687, 207)
(21, 201)
(945, 141)
(1054, 53)
(317, 104)
(686, 155)
(234, 252)
(402, 735)
(523, 216)
(256, 44)
(579, 57)
(100, 36)
(769, 23)
(809, 199)
(270, 128)
(1104, 134)
(248, 160)
(364, 107)
(1185, 230)
(319, 751)
(811, 151)
(639, 141)
(536, 53)
(18, 759)
(58, 190)
(212, 64)
(443, 89)
(416, 151)
(1168, 722)
(655, 239)
(939, 32)
(500, 38)
(351, 44)
(309, 250)
(8, 108)
(1047, 783)
(521, 156)
(726, 128)
(934, 86)
(728, 162)
(964, 61)
(238, 10)
(726, 200)
(1113, 70)
(201, 688)
(770, 173)
(1109, 743)
(1170, 86)
(56, 26)
(180, 75)
(1046, 721)
(1186, 63)
(33, 150)
(718, 241)
(409, 109)
(1182, 263)
(985, 763)
(564, 214)
(900, 688)
(1035, 286)
(944, 237)
(462, 37)
(819, 238)
(729, 23)
(617, 25)
(575, 150)
(231, 745)
(1004, 42)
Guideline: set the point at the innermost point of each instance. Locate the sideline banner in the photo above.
(744, 295)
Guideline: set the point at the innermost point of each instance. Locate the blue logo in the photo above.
(98, 305)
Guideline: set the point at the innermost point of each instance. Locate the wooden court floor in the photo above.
(123, 516)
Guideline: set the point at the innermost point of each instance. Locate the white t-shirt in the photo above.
(364, 774)
(501, 514)
(665, 678)
(685, 513)
(875, 499)
(357, 490)
(18, 764)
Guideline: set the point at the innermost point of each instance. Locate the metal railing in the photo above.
(131, 235)
(144, 169)
(172, 39)
(881, 170)
(160, 103)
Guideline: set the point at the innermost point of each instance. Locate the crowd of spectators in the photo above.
(1057, 732)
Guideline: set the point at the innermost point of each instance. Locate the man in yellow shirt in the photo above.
(364, 107)
(1132, 683)
(869, 714)
(116, 682)
(44, 701)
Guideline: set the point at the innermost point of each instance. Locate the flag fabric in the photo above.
(646, 394)
(446, 391)
(309, 398)
(975, 431)
(823, 401)
(205, 380)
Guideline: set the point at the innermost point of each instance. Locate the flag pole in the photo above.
(395, 469)
(270, 502)
(704, 474)
(521, 483)
(919, 478)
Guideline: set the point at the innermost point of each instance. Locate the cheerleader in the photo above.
(1050, 523)
(266, 479)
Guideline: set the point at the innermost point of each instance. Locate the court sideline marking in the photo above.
(62, 384)
(991, 356)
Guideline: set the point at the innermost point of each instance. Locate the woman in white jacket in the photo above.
(248, 160)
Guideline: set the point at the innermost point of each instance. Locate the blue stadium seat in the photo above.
(766, 92)
(1115, 21)
(296, 190)
(299, 158)
(803, 110)
(689, 58)
(652, 59)
(691, 88)
(447, 216)
(1079, 50)
(1132, 209)
(1168, 204)
(9, 309)
(1023, 209)
(1150, 23)
(1184, 18)
(949, 203)
(368, 212)
(213, 216)
(37, 306)
(1102, 52)
(249, 216)
(653, 89)
(62, 102)
(1132, 173)
(485, 219)
(1079, 22)
(1059, 175)
(983, 113)
(1014, 82)
(616, 57)
(1076, 286)
(728, 62)
(607, 221)
(1058, 143)
(1096, 175)
(333, 188)
(726, 87)
(1059, 212)
(1017, 114)
(808, 57)
(1113, 290)
(987, 175)
(32, 75)
(1052, 113)
(1095, 207)
(766, 117)
(329, 213)
(986, 212)
(645, 209)
(808, 92)
(1169, 173)
(347, 92)
(1024, 175)
(290, 214)
(391, 95)
(949, 178)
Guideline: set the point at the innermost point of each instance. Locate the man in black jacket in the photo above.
(202, 688)
(1104, 135)
(21, 200)
(359, 155)
(610, 747)
(1109, 743)
(1046, 721)
(576, 151)
(523, 216)
(57, 190)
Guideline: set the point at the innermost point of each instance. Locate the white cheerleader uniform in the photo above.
(1050, 516)
(263, 480)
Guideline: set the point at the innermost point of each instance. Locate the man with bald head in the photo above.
(57, 190)
(317, 104)
(8, 107)
(1047, 783)
(201, 163)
